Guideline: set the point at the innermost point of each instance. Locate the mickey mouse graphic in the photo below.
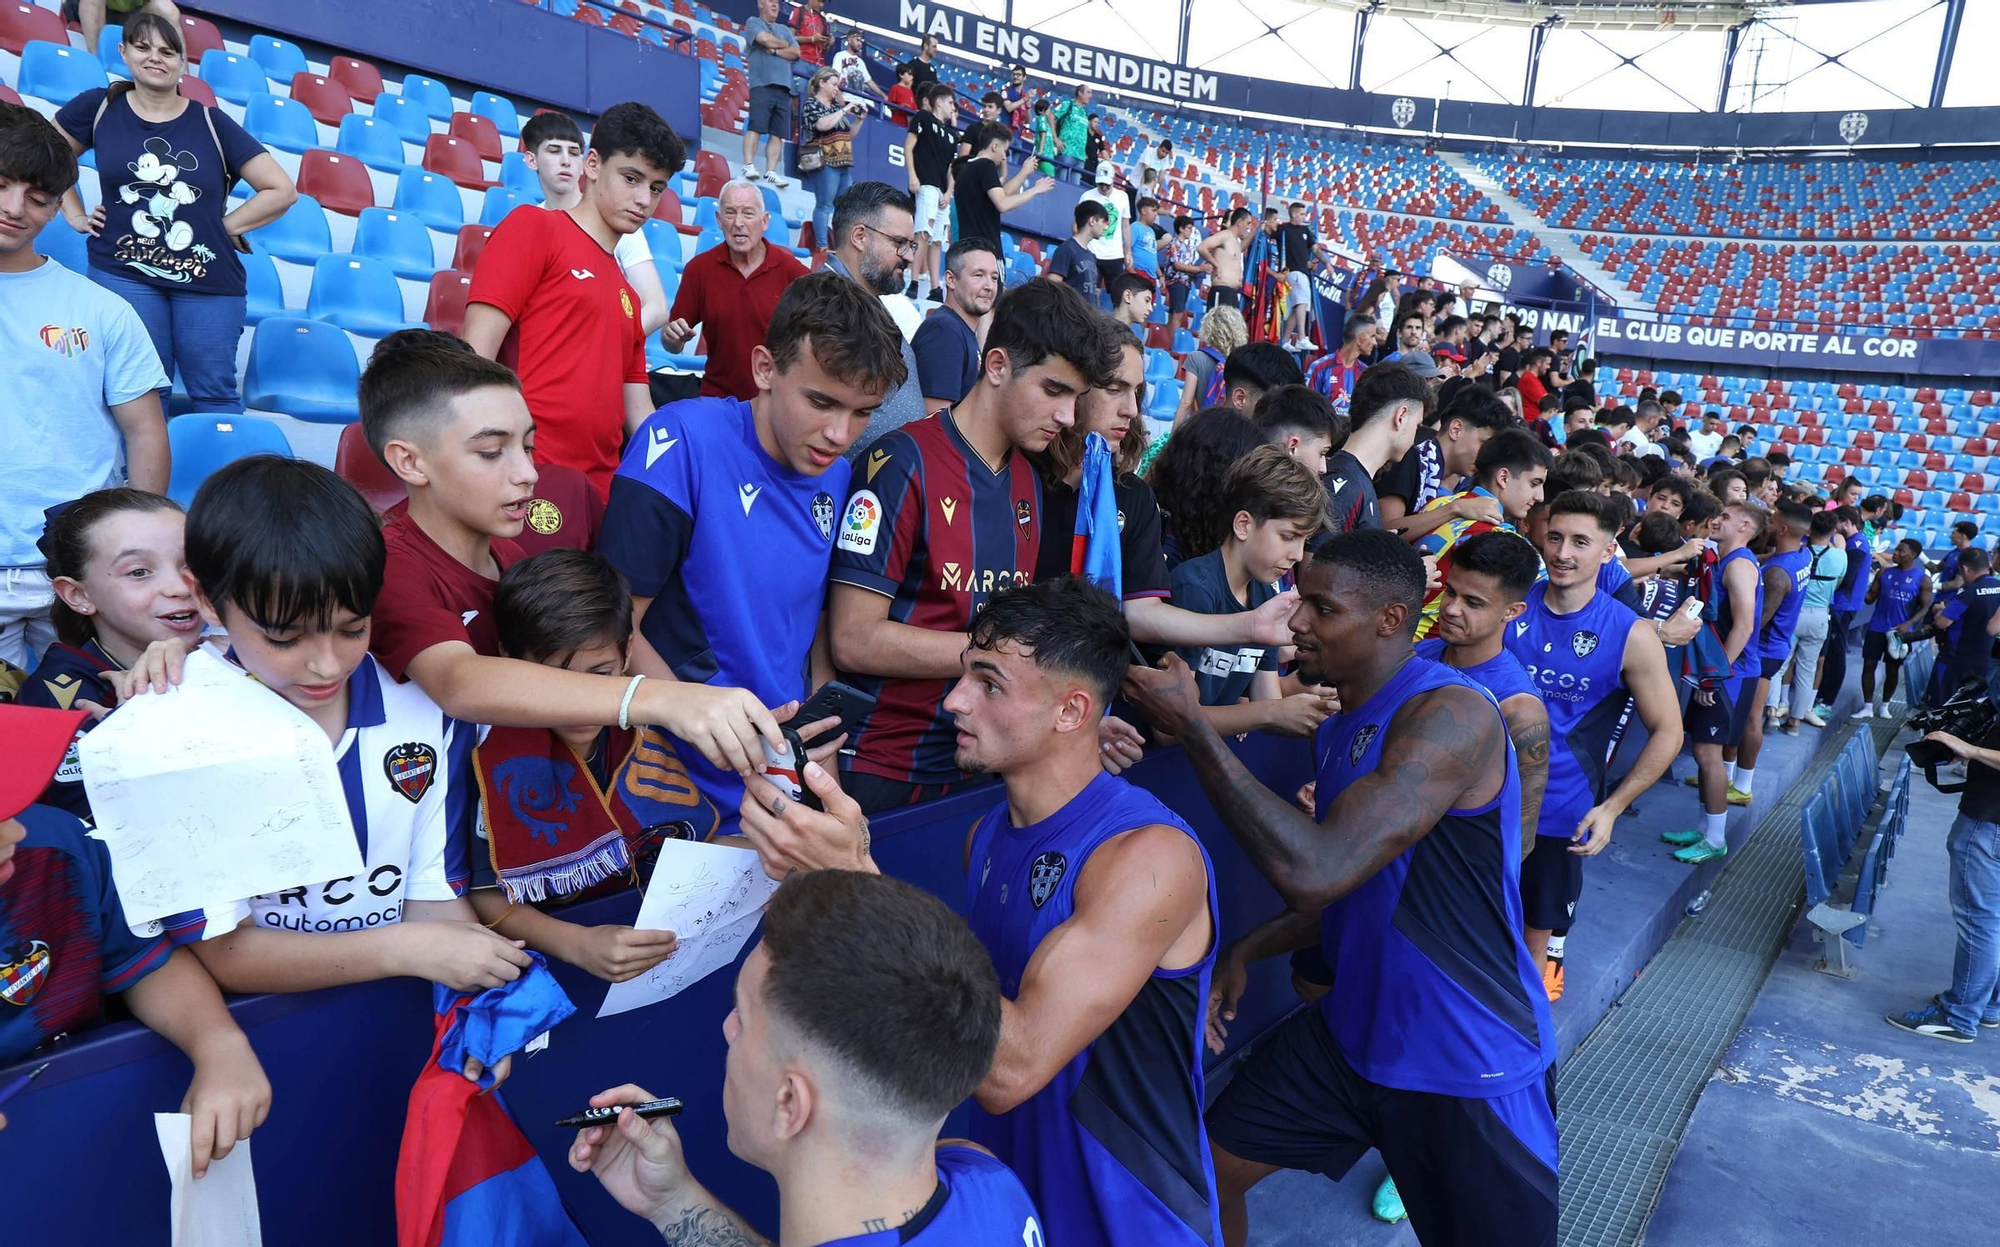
(158, 172)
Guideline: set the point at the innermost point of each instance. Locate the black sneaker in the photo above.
(937, 296)
(1928, 1021)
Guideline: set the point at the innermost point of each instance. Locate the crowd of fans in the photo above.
(1438, 551)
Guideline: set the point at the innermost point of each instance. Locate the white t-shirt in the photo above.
(1704, 445)
(633, 250)
(70, 350)
(407, 770)
(1119, 205)
(854, 77)
(1638, 443)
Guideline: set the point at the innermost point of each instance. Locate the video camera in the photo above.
(1969, 714)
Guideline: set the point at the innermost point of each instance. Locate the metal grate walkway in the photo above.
(1624, 1099)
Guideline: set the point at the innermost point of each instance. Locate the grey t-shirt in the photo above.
(768, 69)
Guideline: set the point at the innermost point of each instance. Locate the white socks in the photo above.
(1556, 947)
(1712, 829)
(1732, 775)
(1741, 779)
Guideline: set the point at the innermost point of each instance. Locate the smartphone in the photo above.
(783, 768)
(833, 700)
(1693, 608)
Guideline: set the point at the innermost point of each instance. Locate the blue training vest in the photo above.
(1112, 1150)
(1776, 641)
(979, 1203)
(1575, 662)
(1433, 987)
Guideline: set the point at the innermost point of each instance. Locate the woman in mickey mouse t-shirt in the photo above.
(164, 237)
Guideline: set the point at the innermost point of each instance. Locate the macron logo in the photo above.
(1520, 627)
(465, 620)
(582, 274)
(1339, 483)
(749, 493)
(657, 444)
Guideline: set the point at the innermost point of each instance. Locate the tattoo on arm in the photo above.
(1531, 748)
(710, 1227)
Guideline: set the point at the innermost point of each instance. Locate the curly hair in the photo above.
(1187, 477)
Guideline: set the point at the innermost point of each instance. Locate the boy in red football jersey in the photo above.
(549, 300)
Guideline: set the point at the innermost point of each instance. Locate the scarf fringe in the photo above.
(607, 858)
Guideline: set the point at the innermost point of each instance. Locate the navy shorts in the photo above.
(1225, 296)
(1470, 1170)
(1723, 722)
(1177, 297)
(1875, 648)
(1551, 884)
(770, 112)
(1772, 666)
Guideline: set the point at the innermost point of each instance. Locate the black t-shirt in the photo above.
(977, 217)
(1143, 573)
(1582, 389)
(1510, 362)
(920, 72)
(1418, 477)
(1298, 242)
(936, 145)
(1351, 490)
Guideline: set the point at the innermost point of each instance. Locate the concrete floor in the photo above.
(1826, 1124)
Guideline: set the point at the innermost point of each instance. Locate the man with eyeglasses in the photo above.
(874, 240)
(730, 291)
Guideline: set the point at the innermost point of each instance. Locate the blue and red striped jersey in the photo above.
(929, 525)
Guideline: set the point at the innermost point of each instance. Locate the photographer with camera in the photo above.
(1972, 613)
(1973, 999)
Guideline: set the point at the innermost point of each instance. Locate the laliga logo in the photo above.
(1404, 110)
(1501, 275)
(1853, 126)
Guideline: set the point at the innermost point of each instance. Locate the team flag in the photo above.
(1094, 550)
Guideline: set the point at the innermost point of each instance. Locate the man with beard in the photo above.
(874, 240)
(1434, 1044)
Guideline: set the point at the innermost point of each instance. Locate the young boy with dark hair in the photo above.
(1132, 293)
(927, 156)
(1388, 405)
(552, 146)
(550, 300)
(1252, 371)
(722, 514)
(453, 427)
(1277, 504)
(604, 797)
(287, 559)
(68, 947)
(1512, 468)
(1073, 262)
(1444, 454)
(80, 374)
(1300, 421)
(943, 513)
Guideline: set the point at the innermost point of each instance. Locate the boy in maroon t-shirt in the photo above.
(548, 297)
(455, 429)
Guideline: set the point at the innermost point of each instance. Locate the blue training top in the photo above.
(1775, 642)
(1575, 662)
(979, 1203)
(1113, 1148)
(1501, 675)
(1433, 987)
(1895, 597)
(732, 547)
(1749, 664)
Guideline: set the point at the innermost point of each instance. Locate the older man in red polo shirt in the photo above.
(731, 291)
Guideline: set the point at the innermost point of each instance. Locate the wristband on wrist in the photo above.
(625, 704)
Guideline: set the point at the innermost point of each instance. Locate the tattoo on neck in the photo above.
(709, 1227)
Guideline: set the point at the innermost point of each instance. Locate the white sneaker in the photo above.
(1812, 720)
(1866, 712)
(776, 181)
(1881, 709)
(753, 176)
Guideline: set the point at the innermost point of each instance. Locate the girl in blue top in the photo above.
(164, 237)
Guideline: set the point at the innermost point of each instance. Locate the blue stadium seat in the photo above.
(516, 176)
(399, 240)
(201, 442)
(63, 245)
(409, 118)
(1159, 366)
(665, 243)
(499, 110)
(265, 296)
(280, 59)
(429, 92)
(277, 121)
(357, 293)
(372, 141)
(499, 201)
(111, 58)
(303, 368)
(431, 197)
(57, 73)
(301, 235)
(232, 77)
(1164, 398)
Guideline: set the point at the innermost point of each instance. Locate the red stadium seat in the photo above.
(324, 98)
(7, 94)
(444, 308)
(668, 209)
(1904, 498)
(710, 172)
(1815, 436)
(478, 131)
(454, 158)
(355, 462)
(20, 23)
(1961, 502)
(1864, 440)
(195, 89)
(1973, 483)
(471, 241)
(339, 182)
(1916, 441)
(199, 34)
(1916, 478)
(362, 80)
